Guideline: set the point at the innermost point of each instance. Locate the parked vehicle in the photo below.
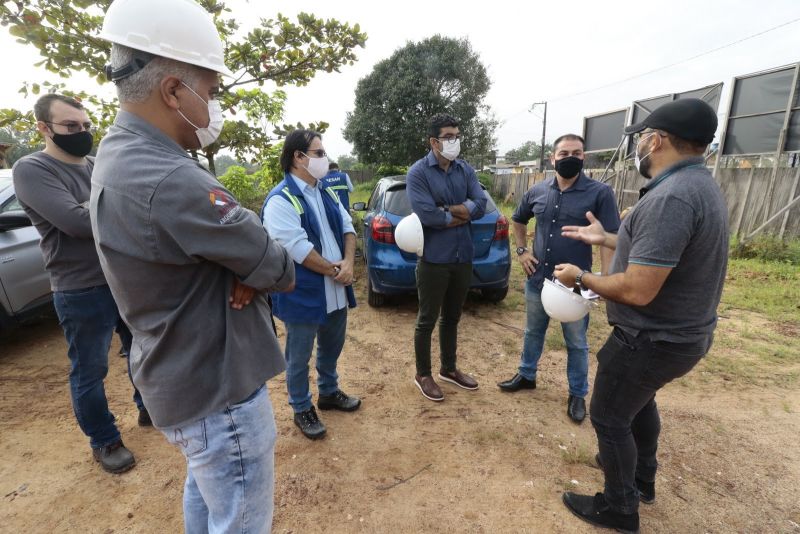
(392, 271)
(24, 283)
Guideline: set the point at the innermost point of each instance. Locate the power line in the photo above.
(503, 122)
(686, 60)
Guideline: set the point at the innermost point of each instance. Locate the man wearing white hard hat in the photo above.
(188, 266)
(558, 201)
(663, 289)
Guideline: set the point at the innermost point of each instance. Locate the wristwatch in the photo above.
(579, 280)
(521, 251)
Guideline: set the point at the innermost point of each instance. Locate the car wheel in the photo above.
(494, 294)
(376, 300)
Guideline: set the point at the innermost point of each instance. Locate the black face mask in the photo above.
(569, 167)
(77, 144)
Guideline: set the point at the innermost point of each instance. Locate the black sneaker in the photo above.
(647, 490)
(595, 510)
(338, 401)
(114, 458)
(309, 424)
(144, 418)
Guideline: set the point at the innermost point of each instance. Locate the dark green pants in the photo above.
(442, 287)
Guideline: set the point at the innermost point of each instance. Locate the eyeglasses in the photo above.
(449, 139)
(319, 153)
(641, 135)
(74, 127)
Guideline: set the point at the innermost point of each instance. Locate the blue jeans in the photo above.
(299, 344)
(88, 317)
(126, 339)
(574, 337)
(230, 467)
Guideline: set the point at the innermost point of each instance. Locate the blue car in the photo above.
(392, 271)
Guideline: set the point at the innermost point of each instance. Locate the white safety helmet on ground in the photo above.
(176, 29)
(409, 234)
(562, 304)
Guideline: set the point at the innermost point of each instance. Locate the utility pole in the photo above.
(544, 131)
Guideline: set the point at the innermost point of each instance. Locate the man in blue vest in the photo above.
(340, 182)
(305, 215)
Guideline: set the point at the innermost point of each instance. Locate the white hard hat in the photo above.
(562, 304)
(176, 29)
(409, 235)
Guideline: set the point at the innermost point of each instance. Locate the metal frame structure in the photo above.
(792, 107)
(630, 119)
(708, 89)
(586, 120)
(788, 110)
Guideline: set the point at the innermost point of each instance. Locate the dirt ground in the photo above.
(481, 461)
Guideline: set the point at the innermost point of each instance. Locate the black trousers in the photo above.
(442, 289)
(623, 408)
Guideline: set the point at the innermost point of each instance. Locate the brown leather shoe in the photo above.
(460, 379)
(429, 388)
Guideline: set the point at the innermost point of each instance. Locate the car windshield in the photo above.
(5, 181)
(397, 201)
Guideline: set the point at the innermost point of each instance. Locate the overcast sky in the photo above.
(533, 51)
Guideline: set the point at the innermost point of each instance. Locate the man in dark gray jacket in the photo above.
(176, 247)
(53, 186)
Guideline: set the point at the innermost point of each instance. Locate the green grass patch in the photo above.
(768, 248)
(769, 288)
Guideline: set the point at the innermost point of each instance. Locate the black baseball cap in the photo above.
(688, 118)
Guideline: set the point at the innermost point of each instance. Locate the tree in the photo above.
(22, 144)
(224, 162)
(528, 151)
(395, 102)
(276, 50)
(347, 161)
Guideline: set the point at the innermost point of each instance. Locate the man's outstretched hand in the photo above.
(594, 234)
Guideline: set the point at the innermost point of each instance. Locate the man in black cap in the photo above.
(663, 290)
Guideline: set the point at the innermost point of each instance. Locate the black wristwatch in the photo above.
(521, 251)
(579, 280)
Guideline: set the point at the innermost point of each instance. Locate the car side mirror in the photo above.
(11, 220)
(360, 206)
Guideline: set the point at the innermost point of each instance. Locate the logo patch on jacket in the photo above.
(226, 205)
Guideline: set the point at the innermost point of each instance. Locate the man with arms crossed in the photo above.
(176, 247)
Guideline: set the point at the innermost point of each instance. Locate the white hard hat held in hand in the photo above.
(563, 304)
(409, 236)
(176, 29)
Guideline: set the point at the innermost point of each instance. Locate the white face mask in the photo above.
(317, 167)
(637, 161)
(450, 150)
(210, 133)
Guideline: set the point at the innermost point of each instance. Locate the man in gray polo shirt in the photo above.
(53, 186)
(175, 245)
(663, 290)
